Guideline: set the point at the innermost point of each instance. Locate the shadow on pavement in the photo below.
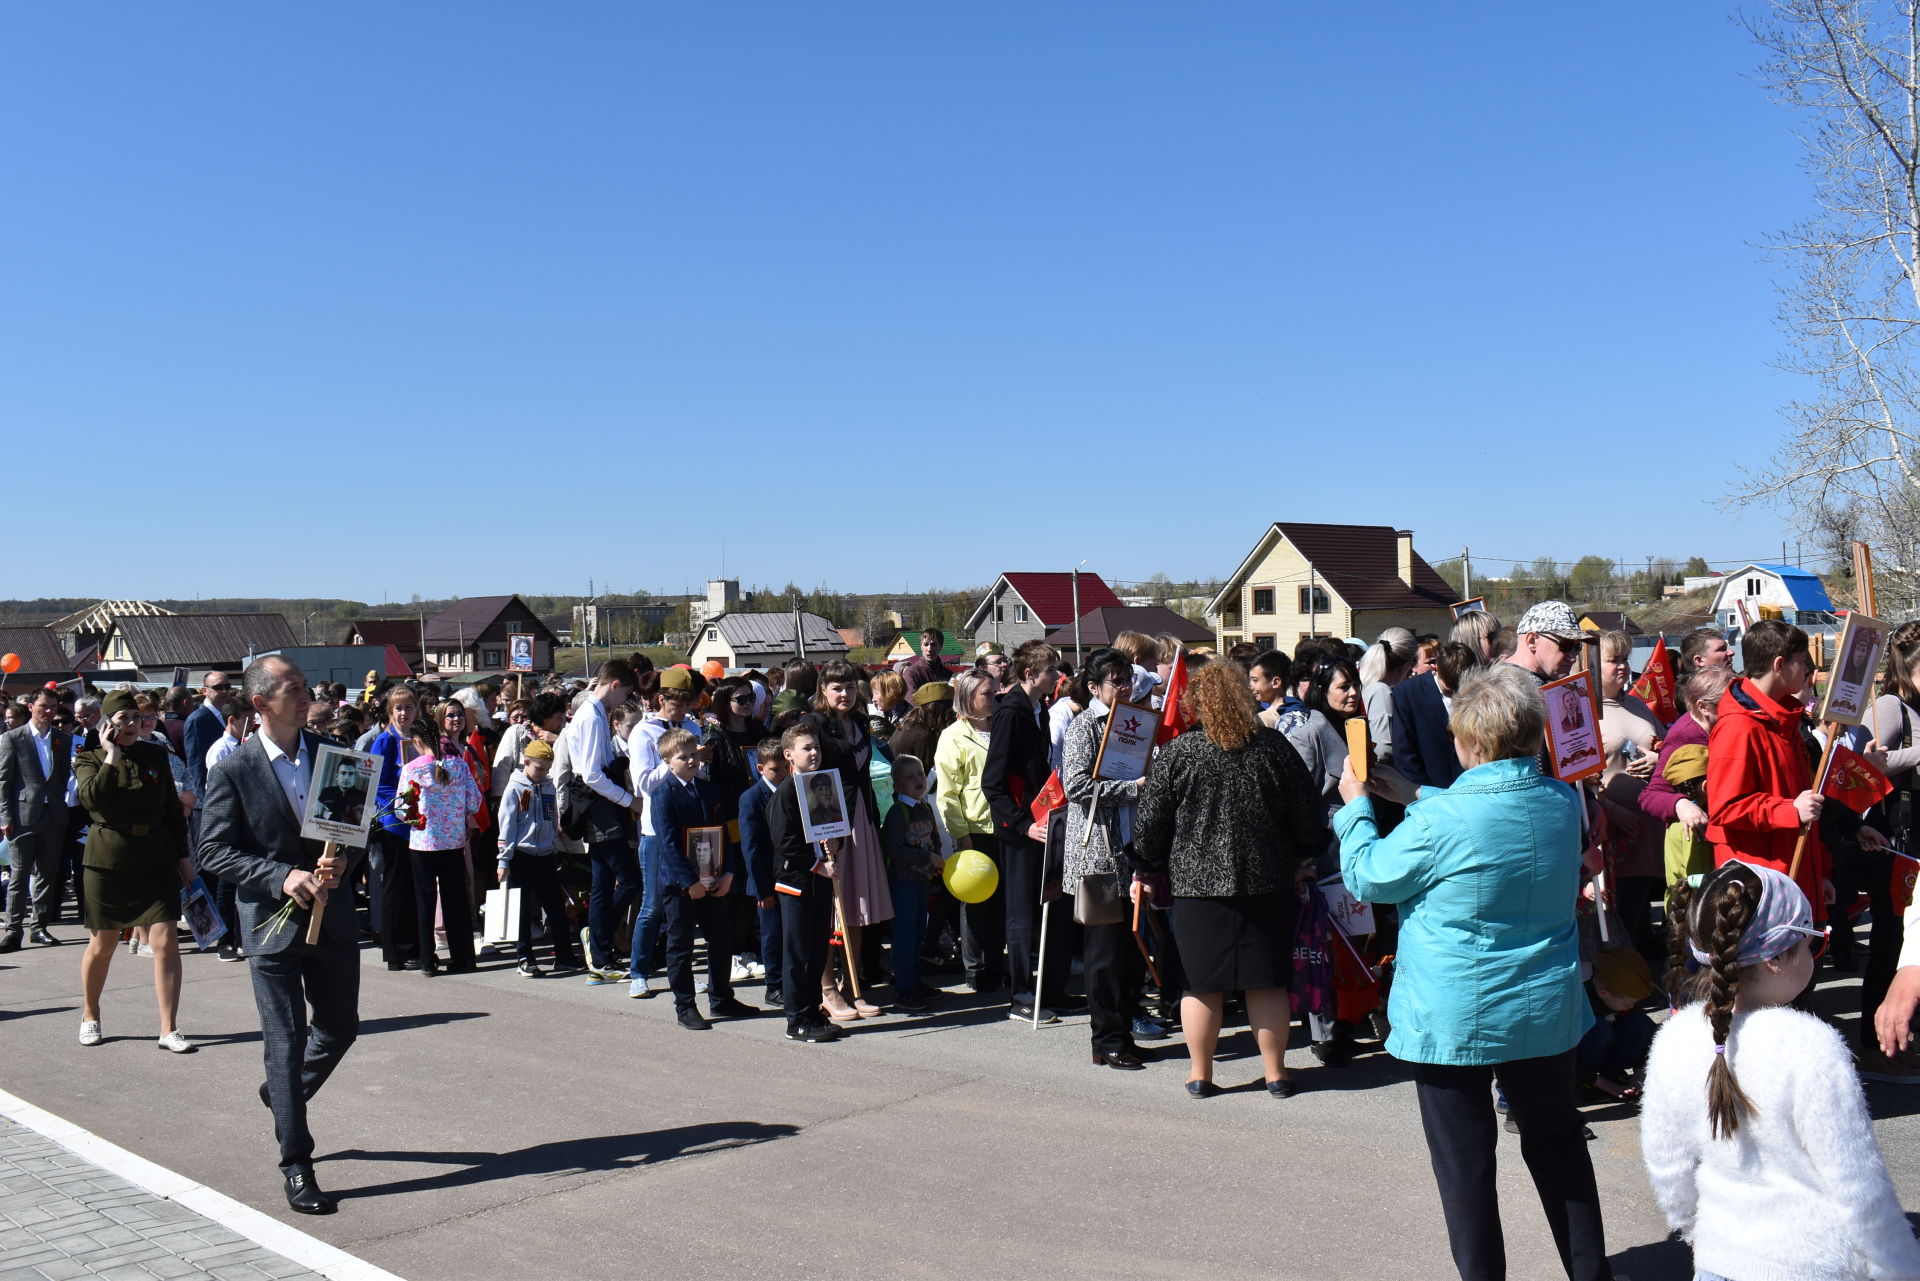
(368, 1027)
(42, 1009)
(563, 1157)
(1668, 1260)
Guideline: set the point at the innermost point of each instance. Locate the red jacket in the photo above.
(1756, 764)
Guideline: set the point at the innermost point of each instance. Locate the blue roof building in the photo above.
(1800, 596)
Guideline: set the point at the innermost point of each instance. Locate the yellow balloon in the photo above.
(971, 876)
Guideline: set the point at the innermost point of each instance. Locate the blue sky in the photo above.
(882, 295)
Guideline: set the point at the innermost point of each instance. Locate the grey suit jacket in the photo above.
(250, 836)
(29, 800)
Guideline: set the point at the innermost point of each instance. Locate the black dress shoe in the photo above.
(1120, 1059)
(43, 938)
(304, 1195)
(1281, 1089)
(431, 969)
(11, 943)
(729, 1008)
(691, 1020)
(1202, 1089)
(266, 1100)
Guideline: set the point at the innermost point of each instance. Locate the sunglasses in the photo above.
(743, 698)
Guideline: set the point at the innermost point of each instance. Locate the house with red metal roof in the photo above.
(1343, 581)
(1025, 605)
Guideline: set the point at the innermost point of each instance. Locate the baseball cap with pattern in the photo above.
(1550, 618)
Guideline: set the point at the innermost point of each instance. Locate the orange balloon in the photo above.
(9, 663)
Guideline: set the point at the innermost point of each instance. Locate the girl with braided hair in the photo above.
(1754, 1129)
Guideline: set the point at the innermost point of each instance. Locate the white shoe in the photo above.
(141, 949)
(176, 1043)
(742, 971)
(701, 987)
(90, 1032)
(640, 988)
(759, 971)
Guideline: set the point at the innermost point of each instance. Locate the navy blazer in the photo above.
(756, 842)
(249, 835)
(203, 729)
(1422, 742)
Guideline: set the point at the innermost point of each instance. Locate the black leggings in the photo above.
(446, 870)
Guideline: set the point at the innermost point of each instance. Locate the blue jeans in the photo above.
(646, 930)
(1619, 1045)
(616, 882)
(770, 941)
(909, 930)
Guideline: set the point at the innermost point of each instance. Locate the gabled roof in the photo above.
(98, 618)
(193, 640)
(466, 619)
(1805, 589)
(1100, 626)
(39, 649)
(1358, 563)
(773, 632)
(1048, 595)
(1610, 620)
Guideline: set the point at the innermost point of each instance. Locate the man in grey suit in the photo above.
(35, 762)
(251, 837)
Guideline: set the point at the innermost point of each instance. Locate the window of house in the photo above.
(1313, 600)
(999, 614)
(1019, 613)
(1753, 587)
(1733, 618)
(493, 658)
(1263, 643)
(713, 633)
(1263, 600)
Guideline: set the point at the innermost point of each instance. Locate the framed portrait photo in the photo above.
(1478, 605)
(340, 802)
(823, 805)
(1573, 727)
(519, 652)
(706, 849)
(1856, 661)
(1127, 745)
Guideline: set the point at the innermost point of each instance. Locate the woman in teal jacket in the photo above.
(1487, 979)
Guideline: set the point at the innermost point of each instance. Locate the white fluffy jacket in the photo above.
(1799, 1193)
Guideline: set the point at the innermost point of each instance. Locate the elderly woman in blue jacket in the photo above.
(1487, 979)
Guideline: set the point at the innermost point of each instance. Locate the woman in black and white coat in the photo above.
(1228, 814)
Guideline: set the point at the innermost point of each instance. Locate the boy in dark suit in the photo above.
(693, 897)
(756, 850)
(803, 881)
(1016, 769)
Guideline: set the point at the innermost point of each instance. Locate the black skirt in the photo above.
(121, 900)
(1239, 944)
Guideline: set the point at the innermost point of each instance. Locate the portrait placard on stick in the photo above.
(340, 804)
(1478, 605)
(519, 652)
(1573, 727)
(1856, 660)
(1127, 744)
(707, 851)
(823, 806)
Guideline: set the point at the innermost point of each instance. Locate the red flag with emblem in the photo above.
(1173, 722)
(1853, 781)
(1051, 798)
(1655, 686)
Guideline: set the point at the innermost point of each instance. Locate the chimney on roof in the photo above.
(1403, 540)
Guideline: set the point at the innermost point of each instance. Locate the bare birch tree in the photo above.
(1850, 467)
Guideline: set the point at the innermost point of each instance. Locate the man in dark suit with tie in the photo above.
(251, 836)
(35, 762)
(1016, 770)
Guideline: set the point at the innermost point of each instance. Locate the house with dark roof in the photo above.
(152, 645)
(1760, 590)
(764, 640)
(42, 657)
(471, 635)
(1304, 580)
(1025, 605)
(1610, 620)
(90, 626)
(1099, 626)
(403, 634)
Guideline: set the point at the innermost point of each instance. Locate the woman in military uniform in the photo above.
(135, 862)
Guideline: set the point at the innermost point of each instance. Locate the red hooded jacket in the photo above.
(1756, 764)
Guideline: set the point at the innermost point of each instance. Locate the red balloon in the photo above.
(9, 663)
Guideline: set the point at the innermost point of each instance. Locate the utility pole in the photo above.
(1313, 602)
(1076, 616)
(1466, 573)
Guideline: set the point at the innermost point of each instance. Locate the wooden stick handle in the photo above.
(846, 941)
(1819, 785)
(317, 916)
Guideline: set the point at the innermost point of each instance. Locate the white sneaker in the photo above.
(640, 988)
(90, 1032)
(701, 987)
(742, 971)
(176, 1043)
(141, 949)
(759, 971)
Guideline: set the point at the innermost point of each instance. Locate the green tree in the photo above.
(1696, 568)
(1591, 579)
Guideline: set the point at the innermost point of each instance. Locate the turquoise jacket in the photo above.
(1486, 872)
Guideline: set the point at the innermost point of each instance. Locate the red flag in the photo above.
(1853, 781)
(1051, 798)
(1173, 721)
(1655, 686)
(1905, 872)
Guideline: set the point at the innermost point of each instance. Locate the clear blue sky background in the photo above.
(884, 295)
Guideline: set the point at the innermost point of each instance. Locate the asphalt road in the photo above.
(489, 1125)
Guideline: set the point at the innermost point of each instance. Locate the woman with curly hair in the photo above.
(1227, 816)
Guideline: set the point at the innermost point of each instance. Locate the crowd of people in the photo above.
(1514, 921)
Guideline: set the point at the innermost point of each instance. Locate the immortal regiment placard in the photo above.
(340, 804)
(823, 806)
(1573, 727)
(1127, 745)
(1856, 660)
